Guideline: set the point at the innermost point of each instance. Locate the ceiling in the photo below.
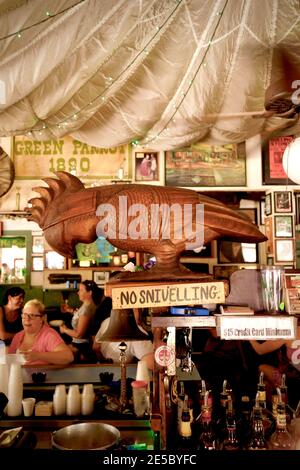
(160, 73)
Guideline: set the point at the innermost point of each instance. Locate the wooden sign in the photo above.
(159, 295)
(257, 327)
(36, 159)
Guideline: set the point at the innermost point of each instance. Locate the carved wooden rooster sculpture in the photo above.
(164, 221)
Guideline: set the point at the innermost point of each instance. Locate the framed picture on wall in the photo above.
(283, 201)
(272, 153)
(283, 226)
(37, 244)
(269, 235)
(262, 212)
(100, 277)
(297, 203)
(268, 204)
(37, 263)
(206, 165)
(284, 250)
(146, 166)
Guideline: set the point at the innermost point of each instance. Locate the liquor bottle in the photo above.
(283, 390)
(207, 438)
(185, 429)
(221, 413)
(231, 441)
(281, 439)
(257, 439)
(284, 394)
(197, 425)
(268, 420)
(244, 420)
(180, 405)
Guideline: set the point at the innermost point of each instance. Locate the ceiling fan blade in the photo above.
(7, 172)
(254, 114)
(285, 71)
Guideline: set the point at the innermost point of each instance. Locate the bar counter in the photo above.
(38, 430)
(133, 431)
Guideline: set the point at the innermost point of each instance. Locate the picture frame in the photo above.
(38, 246)
(297, 209)
(262, 213)
(269, 235)
(146, 166)
(292, 291)
(37, 263)
(272, 154)
(283, 201)
(206, 165)
(54, 260)
(100, 277)
(268, 204)
(283, 226)
(284, 250)
(35, 159)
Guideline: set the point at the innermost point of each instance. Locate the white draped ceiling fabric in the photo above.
(160, 73)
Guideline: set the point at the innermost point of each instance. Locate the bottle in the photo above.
(221, 414)
(257, 439)
(207, 438)
(245, 419)
(268, 420)
(231, 441)
(281, 439)
(185, 429)
(60, 400)
(284, 394)
(180, 405)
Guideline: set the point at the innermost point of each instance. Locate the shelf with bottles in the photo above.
(221, 420)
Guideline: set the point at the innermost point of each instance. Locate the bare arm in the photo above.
(62, 354)
(3, 333)
(80, 331)
(268, 346)
(149, 359)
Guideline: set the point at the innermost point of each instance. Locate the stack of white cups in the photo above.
(142, 372)
(60, 400)
(73, 401)
(15, 391)
(87, 399)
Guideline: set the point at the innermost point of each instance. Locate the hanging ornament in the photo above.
(291, 161)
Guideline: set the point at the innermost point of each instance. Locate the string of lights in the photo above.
(48, 16)
(145, 50)
(148, 140)
(74, 116)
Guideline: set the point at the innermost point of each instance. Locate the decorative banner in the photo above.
(36, 159)
(159, 295)
(257, 327)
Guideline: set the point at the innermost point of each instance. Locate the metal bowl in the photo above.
(86, 436)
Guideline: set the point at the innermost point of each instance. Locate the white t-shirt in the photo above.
(134, 349)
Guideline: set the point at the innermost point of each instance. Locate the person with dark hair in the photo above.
(82, 322)
(10, 313)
